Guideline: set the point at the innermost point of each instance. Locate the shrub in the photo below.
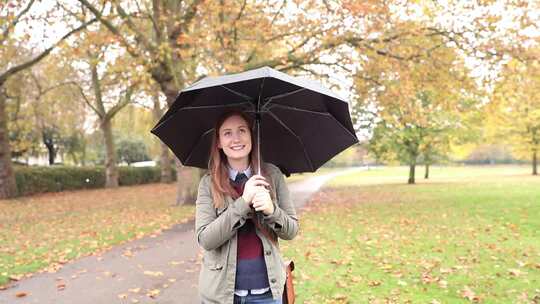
(33, 180)
(138, 175)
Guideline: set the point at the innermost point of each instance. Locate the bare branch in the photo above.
(388, 54)
(31, 62)
(155, 18)
(187, 18)
(11, 25)
(278, 12)
(284, 35)
(241, 12)
(83, 95)
(124, 102)
(113, 29)
(139, 37)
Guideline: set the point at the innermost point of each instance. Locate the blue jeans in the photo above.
(265, 298)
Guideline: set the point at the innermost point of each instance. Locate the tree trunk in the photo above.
(111, 171)
(83, 154)
(75, 159)
(165, 164)
(535, 163)
(164, 158)
(8, 187)
(187, 178)
(426, 173)
(412, 168)
(52, 155)
(187, 184)
(50, 148)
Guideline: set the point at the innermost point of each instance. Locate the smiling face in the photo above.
(235, 140)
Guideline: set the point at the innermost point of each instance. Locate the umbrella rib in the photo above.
(198, 141)
(296, 136)
(269, 99)
(215, 106)
(246, 97)
(314, 112)
(275, 105)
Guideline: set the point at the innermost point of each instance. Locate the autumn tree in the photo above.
(515, 107)
(413, 104)
(107, 83)
(13, 15)
(173, 40)
(54, 106)
(154, 34)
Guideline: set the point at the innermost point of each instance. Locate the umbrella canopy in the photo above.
(302, 124)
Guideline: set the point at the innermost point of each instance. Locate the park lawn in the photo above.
(43, 232)
(297, 177)
(469, 234)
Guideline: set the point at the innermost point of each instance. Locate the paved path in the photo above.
(165, 266)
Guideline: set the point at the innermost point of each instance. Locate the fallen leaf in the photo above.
(153, 273)
(153, 293)
(340, 296)
(15, 277)
(341, 284)
(122, 296)
(374, 283)
(515, 272)
(469, 294)
(21, 294)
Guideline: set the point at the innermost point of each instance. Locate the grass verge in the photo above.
(466, 235)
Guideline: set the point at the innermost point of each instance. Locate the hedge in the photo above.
(32, 180)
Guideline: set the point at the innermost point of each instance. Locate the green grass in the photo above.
(470, 234)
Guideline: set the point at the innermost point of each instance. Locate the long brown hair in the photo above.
(217, 164)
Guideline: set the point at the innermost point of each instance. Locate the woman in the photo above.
(240, 264)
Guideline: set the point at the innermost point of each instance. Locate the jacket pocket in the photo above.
(212, 261)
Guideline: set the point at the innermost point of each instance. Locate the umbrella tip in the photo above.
(268, 70)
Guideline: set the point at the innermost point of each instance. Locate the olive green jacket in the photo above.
(216, 234)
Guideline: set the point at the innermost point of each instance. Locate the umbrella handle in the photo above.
(258, 126)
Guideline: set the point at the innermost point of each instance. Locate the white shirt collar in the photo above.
(233, 173)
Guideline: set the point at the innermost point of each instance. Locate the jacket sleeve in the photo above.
(284, 220)
(212, 230)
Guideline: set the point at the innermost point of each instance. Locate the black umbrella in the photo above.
(300, 124)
